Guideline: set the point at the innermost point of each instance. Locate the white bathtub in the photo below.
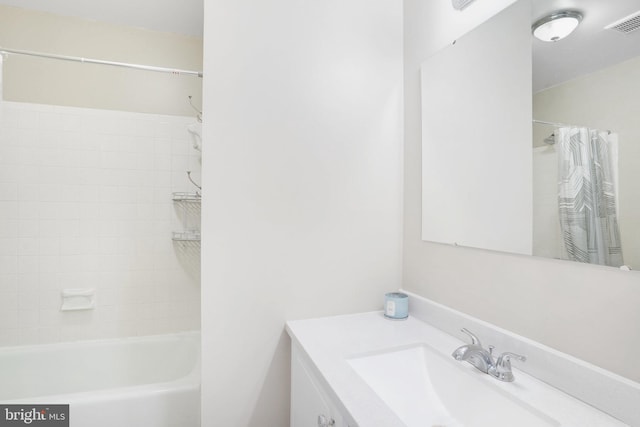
(147, 381)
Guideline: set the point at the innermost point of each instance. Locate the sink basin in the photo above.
(425, 388)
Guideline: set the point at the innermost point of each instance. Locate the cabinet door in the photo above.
(310, 406)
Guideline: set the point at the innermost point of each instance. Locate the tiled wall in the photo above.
(547, 236)
(85, 202)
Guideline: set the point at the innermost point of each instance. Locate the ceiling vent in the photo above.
(626, 25)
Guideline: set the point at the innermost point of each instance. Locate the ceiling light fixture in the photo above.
(460, 4)
(556, 26)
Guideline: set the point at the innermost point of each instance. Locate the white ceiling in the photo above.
(176, 16)
(590, 47)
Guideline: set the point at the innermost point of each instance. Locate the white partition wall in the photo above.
(302, 184)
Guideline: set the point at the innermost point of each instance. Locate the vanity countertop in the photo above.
(330, 342)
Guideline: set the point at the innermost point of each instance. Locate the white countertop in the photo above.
(330, 341)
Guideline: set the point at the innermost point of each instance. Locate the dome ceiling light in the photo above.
(556, 26)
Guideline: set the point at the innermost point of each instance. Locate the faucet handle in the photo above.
(474, 339)
(502, 368)
(507, 355)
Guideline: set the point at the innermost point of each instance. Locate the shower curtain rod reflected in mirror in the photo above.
(101, 62)
(542, 122)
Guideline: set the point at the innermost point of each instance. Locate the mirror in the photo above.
(476, 103)
(586, 79)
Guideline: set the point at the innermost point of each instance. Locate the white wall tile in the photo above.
(49, 192)
(9, 318)
(9, 336)
(8, 210)
(10, 173)
(47, 212)
(8, 191)
(28, 336)
(162, 146)
(49, 227)
(9, 228)
(9, 264)
(8, 300)
(28, 210)
(49, 299)
(31, 156)
(29, 281)
(48, 335)
(8, 282)
(49, 264)
(8, 156)
(28, 300)
(70, 193)
(162, 162)
(30, 138)
(28, 318)
(8, 246)
(49, 246)
(73, 245)
(27, 227)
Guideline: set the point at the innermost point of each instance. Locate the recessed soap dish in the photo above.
(78, 299)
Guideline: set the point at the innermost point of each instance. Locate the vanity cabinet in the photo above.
(311, 404)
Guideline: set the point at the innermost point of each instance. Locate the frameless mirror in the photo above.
(476, 133)
(475, 187)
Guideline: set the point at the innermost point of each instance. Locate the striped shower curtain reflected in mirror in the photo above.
(587, 195)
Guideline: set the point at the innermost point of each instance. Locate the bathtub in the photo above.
(144, 381)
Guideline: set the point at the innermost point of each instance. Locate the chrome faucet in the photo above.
(482, 359)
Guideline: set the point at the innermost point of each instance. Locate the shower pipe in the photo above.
(542, 122)
(101, 62)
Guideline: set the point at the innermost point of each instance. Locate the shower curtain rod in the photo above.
(542, 122)
(101, 62)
